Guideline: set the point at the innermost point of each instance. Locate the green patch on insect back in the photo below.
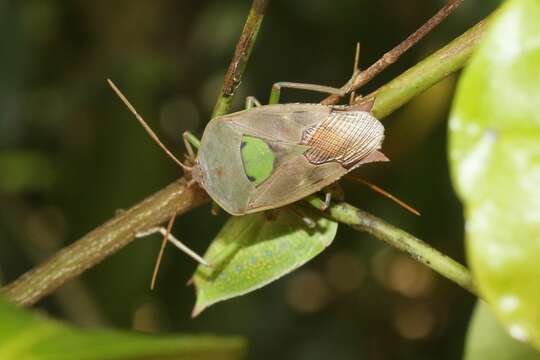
(258, 159)
(254, 250)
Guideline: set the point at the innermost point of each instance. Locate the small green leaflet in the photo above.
(253, 250)
(495, 159)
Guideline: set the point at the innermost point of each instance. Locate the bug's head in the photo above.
(197, 175)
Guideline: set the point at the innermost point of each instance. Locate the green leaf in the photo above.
(254, 250)
(25, 335)
(495, 160)
(487, 339)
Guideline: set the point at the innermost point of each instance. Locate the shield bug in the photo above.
(273, 155)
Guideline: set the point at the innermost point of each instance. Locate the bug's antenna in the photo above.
(167, 236)
(161, 251)
(145, 125)
(356, 69)
(384, 193)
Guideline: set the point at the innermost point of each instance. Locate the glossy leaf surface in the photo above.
(487, 339)
(495, 159)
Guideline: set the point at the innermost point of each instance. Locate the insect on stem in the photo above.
(145, 126)
(384, 193)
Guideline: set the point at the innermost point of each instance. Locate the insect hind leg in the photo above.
(276, 89)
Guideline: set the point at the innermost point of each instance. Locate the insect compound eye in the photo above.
(257, 158)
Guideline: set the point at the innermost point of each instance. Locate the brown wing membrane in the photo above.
(340, 142)
(295, 179)
(346, 137)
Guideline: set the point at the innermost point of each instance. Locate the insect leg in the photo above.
(327, 200)
(333, 191)
(276, 89)
(309, 222)
(251, 101)
(323, 205)
(190, 142)
(216, 210)
(173, 240)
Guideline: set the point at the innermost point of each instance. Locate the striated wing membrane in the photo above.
(347, 137)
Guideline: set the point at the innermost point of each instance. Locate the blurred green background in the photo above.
(71, 155)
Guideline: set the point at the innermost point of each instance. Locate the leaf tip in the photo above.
(197, 310)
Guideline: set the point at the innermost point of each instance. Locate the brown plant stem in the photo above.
(426, 73)
(102, 242)
(363, 77)
(420, 251)
(244, 46)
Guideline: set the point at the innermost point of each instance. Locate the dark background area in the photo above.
(71, 155)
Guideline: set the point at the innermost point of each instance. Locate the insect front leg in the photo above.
(251, 101)
(276, 89)
(190, 142)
